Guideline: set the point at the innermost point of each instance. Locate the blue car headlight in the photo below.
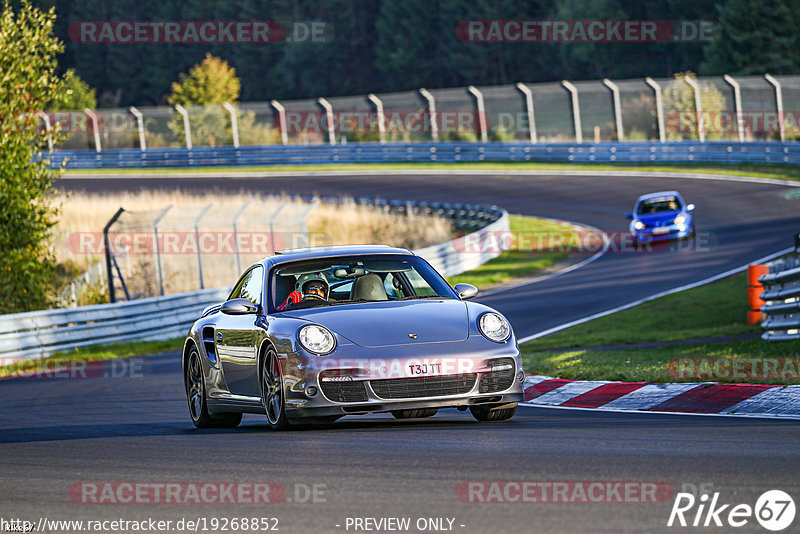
(639, 225)
(316, 339)
(494, 327)
(680, 219)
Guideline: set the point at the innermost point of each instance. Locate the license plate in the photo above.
(423, 369)
(660, 231)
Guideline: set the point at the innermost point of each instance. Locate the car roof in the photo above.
(284, 256)
(648, 196)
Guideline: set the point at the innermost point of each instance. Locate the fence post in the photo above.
(431, 113)
(662, 131)
(481, 112)
(234, 123)
(272, 227)
(698, 106)
(576, 110)
(95, 127)
(381, 117)
(329, 119)
(236, 237)
(185, 114)
(140, 126)
(159, 270)
(48, 128)
(197, 242)
(737, 105)
(107, 243)
(525, 90)
(779, 104)
(617, 109)
(281, 121)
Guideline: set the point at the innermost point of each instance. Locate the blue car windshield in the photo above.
(354, 279)
(656, 205)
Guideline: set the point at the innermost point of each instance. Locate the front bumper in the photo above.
(674, 231)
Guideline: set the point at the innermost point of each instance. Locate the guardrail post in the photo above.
(48, 128)
(159, 272)
(576, 110)
(236, 236)
(329, 119)
(186, 127)
(779, 104)
(234, 122)
(431, 113)
(197, 242)
(617, 110)
(107, 244)
(737, 105)
(481, 112)
(140, 126)
(95, 127)
(525, 90)
(381, 117)
(698, 106)
(281, 121)
(662, 130)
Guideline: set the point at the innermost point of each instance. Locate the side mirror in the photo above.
(690, 207)
(629, 215)
(465, 291)
(238, 307)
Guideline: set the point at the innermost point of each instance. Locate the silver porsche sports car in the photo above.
(313, 335)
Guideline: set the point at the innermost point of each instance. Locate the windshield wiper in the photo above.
(415, 297)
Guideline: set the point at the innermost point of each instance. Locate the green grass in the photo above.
(788, 172)
(713, 310)
(523, 259)
(94, 353)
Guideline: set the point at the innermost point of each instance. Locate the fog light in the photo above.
(521, 376)
(311, 391)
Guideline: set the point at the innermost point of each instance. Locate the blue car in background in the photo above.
(660, 217)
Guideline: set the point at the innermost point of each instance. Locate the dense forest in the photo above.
(393, 45)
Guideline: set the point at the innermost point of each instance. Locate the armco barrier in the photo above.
(34, 335)
(450, 152)
(782, 300)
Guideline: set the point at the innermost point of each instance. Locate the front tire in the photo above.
(487, 413)
(272, 391)
(196, 395)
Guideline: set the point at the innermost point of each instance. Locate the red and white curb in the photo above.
(706, 398)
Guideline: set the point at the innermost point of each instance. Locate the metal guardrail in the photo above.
(447, 152)
(782, 300)
(35, 335)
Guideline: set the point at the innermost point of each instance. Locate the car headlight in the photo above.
(639, 225)
(680, 219)
(494, 327)
(316, 339)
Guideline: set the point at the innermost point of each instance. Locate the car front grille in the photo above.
(429, 386)
(498, 380)
(344, 391)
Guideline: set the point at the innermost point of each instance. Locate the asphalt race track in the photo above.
(55, 433)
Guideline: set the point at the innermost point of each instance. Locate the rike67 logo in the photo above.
(774, 510)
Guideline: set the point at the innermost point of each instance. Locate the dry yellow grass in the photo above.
(347, 223)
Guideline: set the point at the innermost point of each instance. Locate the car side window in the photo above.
(252, 286)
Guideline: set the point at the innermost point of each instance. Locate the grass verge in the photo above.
(92, 353)
(605, 348)
(786, 172)
(521, 260)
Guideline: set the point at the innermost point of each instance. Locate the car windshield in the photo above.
(354, 279)
(656, 205)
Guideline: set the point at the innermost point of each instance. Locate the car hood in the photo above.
(658, 218)
(378, 324)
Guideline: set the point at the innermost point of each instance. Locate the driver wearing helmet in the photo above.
(313, 290)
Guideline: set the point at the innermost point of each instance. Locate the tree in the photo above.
(28, 51)
(756, 36)
(77, 94)
(681, 111)
(212, 81)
